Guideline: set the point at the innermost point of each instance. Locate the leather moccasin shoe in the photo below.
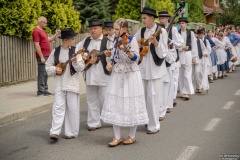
(152, 132)
(129, 140)
(174, 102)
(93, 129)
(69, 137)
(169, 110)
(161, 118)
(115, 142)
(54, 137)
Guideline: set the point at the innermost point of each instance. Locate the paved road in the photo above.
(202, 129)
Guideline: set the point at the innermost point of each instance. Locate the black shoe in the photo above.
(47, 94)
(210, 81)
(40, 93)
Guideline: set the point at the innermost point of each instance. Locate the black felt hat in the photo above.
(200, 31)
(67, 33)
(182, 19)
(149, 11)
(163, 14)
(94, 22)
(108, 24)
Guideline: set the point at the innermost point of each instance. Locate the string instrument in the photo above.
(63, 66)
(124, 41)
(144, 44)
(176, 13)
(92, 58)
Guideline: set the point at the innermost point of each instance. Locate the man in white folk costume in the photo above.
(66, 103)
(175, 41)
(201, 68)
(152, 66)
(187, 54)
(97, 76)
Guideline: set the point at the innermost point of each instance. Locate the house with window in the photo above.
(210, 7)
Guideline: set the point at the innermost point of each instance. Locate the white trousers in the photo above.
(167, 94)
(175, 82)
(66, 104)
(95, 97)
(185, 79)
(197, 75)
(117, 131)
(152, 93)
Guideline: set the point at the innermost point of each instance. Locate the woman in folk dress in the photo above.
(221, 54)
(124, 104)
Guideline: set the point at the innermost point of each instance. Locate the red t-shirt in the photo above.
(40, 36)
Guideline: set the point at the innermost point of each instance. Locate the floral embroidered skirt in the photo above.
(124, 103)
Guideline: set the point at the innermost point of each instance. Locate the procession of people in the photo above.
(132, 80)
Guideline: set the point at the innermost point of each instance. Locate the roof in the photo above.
(212, 9)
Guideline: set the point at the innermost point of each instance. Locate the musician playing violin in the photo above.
(124, 104)
(110, 32)
(152, 68)
(97, 76)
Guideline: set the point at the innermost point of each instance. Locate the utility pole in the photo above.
(142, 4)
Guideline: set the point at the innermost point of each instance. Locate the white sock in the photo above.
(117, 131)
(132, 131)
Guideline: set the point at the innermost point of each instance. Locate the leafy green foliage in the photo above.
(90, 9)
(18, 18)
(231, 12)
(61, 14)
(128, 9)
(161, 5)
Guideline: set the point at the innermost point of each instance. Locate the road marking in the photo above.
(237, 93)
(212, 124)
(228, 105)
(187, 152)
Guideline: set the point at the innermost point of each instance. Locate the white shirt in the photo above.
(204, 52)
(177, 41)
(148, 68)
(95, 74)
(65, 82)
(194, 49)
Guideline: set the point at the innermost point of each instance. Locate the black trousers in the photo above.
(42, 77)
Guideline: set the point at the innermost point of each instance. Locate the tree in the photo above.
(231, 11)
(61, 14)
(128, 9)
(161, 5)
(18, 18)
(113, 6)
(195, 10)
(90, 9)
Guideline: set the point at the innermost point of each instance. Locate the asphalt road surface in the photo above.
(207, 127)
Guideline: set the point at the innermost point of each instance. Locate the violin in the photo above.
(144, 44)
(123, 41)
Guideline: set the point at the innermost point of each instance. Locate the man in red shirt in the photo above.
(43, 50)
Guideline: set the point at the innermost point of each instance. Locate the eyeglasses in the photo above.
(44, 22)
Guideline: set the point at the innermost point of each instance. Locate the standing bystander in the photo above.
(43, 50)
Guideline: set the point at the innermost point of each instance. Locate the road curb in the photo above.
(15, 116)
